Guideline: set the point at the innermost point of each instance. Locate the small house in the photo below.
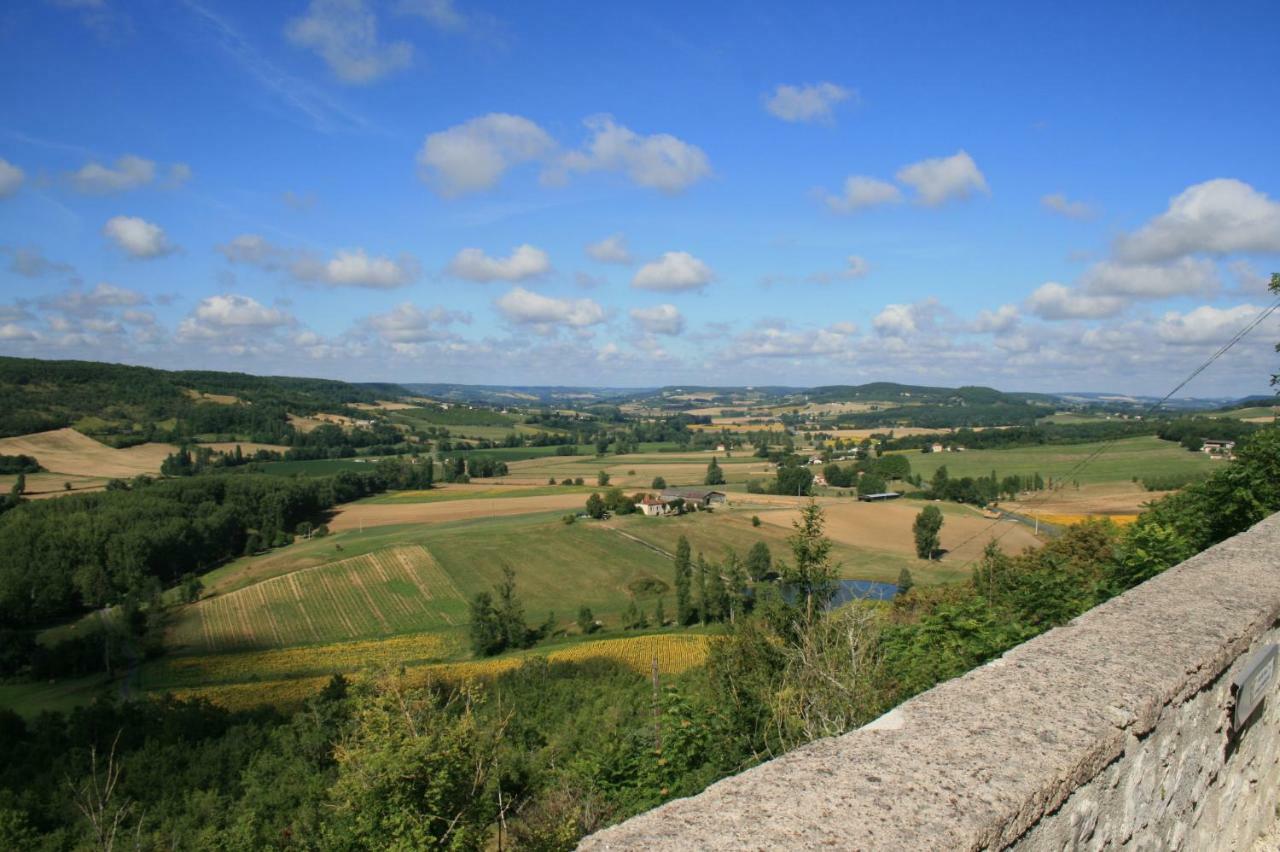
(700, 497)
(654, 506)
(1219, 448)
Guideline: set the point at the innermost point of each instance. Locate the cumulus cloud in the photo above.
(660, 161)
(524, 262)
(1060, 204)
(130, 172)
(523, 307)
(408, 323)
(137, 237)
(941, 179)
(91, 302)
(11, 177)
(1206, 324)
(674, 271)
(810, 102)
(779, 341)
(474, 155)
(11, 331)
(1221, 216)
(905, 320)
(347, 268)
(1249, 281)
(612, 249)
(1054, 301)
(660, 319)
(861, 192)
(1188, 276)
(31, 263)
(1000, 321)
(344, 33)
(232, 323)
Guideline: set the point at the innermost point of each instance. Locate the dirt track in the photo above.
(353, 515)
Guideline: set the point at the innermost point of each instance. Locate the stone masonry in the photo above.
(1111, 732)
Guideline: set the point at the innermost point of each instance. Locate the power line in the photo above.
(1079, 466)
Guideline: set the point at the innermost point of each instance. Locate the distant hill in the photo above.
(133, 402)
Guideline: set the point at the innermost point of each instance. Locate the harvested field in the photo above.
(44, 485)
(383, 405)
(1103, 498)
(246, 447)
(355, 515)
(391, 591)
(69, 452)
(887, 526)
(219, 398)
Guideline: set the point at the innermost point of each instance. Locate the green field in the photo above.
(318, 467)
(1120, 462)
(1257, 411)
(60, 696)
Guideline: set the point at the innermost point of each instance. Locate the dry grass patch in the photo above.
(354, 516)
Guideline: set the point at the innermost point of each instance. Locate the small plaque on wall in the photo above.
(1252, 684)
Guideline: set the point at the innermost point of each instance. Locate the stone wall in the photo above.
(1111, 731)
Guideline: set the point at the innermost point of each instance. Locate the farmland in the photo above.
(69, 452)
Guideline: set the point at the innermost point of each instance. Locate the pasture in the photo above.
(1120, 462)
(684, 468)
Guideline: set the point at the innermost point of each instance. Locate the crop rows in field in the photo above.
(1067, 519)
(675, 654)
(391, 591)
(373, 654)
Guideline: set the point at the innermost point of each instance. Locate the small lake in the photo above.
(854, 590)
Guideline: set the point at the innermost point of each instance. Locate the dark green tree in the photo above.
(602, 478)
(658, 483)
(759, 561)
(486, 629)
(811, 573)
(700, 572)
(586, 621)
(905, 580)
(510, 612)
(684, 577)
(715, 476)
(595, 506)
(925, 529)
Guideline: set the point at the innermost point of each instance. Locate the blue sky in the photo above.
(1032, 196)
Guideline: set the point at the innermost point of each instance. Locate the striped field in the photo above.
(384, 593)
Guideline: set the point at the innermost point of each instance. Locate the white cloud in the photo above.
(612, 249)
(660, 319)
(523, 307)
(905, 320)
(674, 271)
(1188, 276)
(777, 341)
(811, 102)
(104, 295)
(13, 331)
(659, 161)
(938, 180)
(861, 192)
(474, 155)
(525, 261)
(11, 178)
(1206, 324)
(408, 323)
(355, 268)
(1060, 204)
(130, 172)
(233, 321)
(345, 34)
(439, 13)
(1219, 216)
(1249, 281)
(31, 263)
(1053, 301)
(1003, 319)
(347, 268)
(137, 237)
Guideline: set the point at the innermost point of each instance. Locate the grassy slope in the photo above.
(1120, 462)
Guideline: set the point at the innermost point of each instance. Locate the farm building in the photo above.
(702, 498)
(1218, 448)
(653, 506)
(875, 498)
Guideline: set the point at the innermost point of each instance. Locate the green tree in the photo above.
(602, 479)
(586, 621)
(938, 484)
(510, 612)
(684, 577)
(701, 572)
(660, 614)
(811, 573)
(735, 577)
(872, 483)
(410, 775)
(595, 506)
(926, 527)
(715, 476)
(755, 520)
(658, 483)
(759, 561)
(486, 629)
(905, 580)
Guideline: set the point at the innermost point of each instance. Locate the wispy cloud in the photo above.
(324, 113)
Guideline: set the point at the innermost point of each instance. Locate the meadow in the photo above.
(1122, 461)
